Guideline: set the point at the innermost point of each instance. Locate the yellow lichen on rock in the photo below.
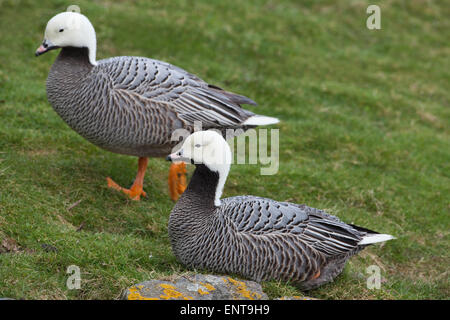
(202, 292)
(302, 298)
(208, 286)
(205, 289)
(171, 293)
(136, 295)
(241, 288)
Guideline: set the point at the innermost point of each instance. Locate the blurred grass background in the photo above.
(364, 134)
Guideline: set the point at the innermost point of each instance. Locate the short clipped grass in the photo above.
(364, 134)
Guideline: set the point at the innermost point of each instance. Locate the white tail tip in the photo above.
(374, 238)
(258, 120)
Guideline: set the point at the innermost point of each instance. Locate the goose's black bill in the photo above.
(177, 158)
(45, 47)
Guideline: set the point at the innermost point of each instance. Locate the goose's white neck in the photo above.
(89, 40)
(222, 170)
(219, 160)
(92, 54)
(211, 150)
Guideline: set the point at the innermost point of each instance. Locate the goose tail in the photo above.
(258, 120)
(375, 238)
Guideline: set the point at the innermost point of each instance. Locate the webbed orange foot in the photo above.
(136, 190)
(177, 180)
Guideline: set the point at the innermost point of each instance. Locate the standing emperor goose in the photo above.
(133, 105)
(258, 238)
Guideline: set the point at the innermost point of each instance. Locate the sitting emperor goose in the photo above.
(255, 237)
(132, 105)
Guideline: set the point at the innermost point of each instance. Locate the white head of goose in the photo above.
(69, 29)
(133, 105)
(255, 237)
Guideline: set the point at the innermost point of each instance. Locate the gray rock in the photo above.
(196, 287)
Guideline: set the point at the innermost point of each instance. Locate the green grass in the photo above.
(364, 134)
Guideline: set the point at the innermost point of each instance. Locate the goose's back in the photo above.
(133, 105)
(177, 90)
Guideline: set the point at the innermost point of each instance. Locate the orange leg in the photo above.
(136, 190)
(177, 180)
(316, 275)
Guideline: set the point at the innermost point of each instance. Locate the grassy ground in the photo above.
(364, 134)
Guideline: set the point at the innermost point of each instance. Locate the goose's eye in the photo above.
(197, 145)
(61, 30)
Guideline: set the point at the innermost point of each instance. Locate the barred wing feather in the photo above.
(313, 227)
(154, 82)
